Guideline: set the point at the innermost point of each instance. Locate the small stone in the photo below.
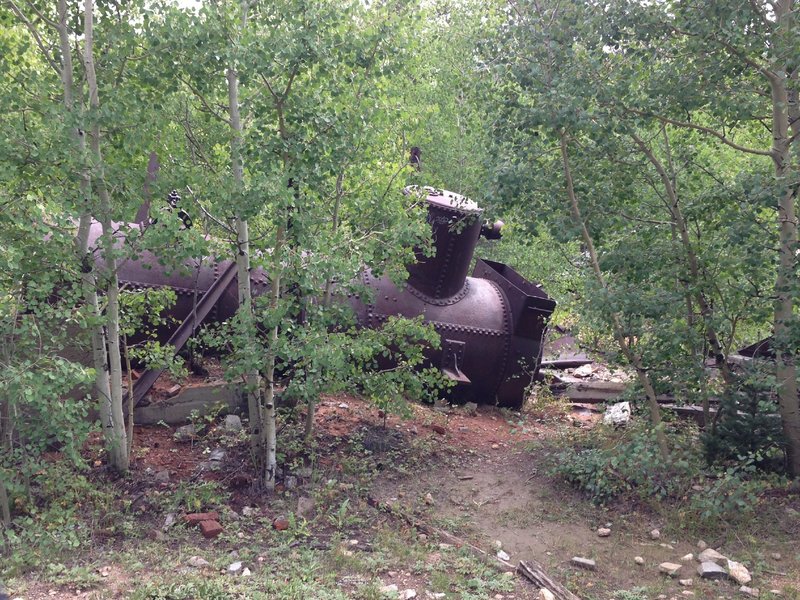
(217, 455)
(198, 562)
(583, 563)
(305, 506)
(701, 545)
(687, 558)
(776, 592)
(495, 446)
(232, 423)
(776, 556)
(344, 405)
(655, 534)
(687, 593)
(667, 546)
(617, 414)
(246, 572)
(739, 573)
(545, 594)
(161, 477)
(429, 499)
(185, 433)
(389, 589)
(503, 555)
(638, 560)
(711, 555)
(290, 482)
(603, 532)
(748, 591)
(711, 570)
(422, 537)
(408, 594)
(669, 568)
(210, 529)
(471, 408)
(169, 521)
(498, 544)
(235, 567)
(248, 511)
(444, 546)
(281, 523)
(686, 582)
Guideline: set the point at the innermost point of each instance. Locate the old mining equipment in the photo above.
(491, 324)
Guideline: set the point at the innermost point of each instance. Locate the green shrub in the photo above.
(607, 467)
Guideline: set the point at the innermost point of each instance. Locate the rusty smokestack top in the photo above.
(455, 222)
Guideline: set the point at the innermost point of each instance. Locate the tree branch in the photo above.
(37, 38)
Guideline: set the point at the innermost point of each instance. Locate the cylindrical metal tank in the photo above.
(491, 324)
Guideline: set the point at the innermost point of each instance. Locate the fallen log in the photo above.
(534, 572)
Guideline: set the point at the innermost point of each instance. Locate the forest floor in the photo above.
(478, 476)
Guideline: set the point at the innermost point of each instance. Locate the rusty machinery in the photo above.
(491, 324)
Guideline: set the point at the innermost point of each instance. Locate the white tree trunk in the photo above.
(111, 399)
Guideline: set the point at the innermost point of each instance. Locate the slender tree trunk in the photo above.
(115, 431)
(252, 383)
(619, 332)
(706, 311)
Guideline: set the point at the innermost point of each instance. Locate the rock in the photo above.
(686, 582)
(711, 570)
(638, 560)
(162, 477)
(687, 558)
(701, 545)
(389, 589)
(438, 429)
(655, 534)
(408, 594)
(246, 572)
(669, 568)
(197, 518)
(169, 521)
(584, 371)
(545, 594)
(667, 546)
(305, 506)
(739, 573)
(711, 555)
(583, 563)
(173, 391)
(603, 532)
(217, 455)
(198, 562)
(248, 511)
(471, 408)
(503, 555)
(232, 423)
(748, 591)
(280, 523)
(344, 405)
(687, 593)
(235, 567)
(617, 414)
(290, 482)
(210, 529)
(185, 433)
(429, 499)
(776, 556)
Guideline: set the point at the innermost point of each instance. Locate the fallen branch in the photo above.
(530, 570)
(534, 572)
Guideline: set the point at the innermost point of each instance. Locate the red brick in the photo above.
(210, 529)
(173, 391)
(196, 518)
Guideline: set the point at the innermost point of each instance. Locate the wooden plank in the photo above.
(534, 572)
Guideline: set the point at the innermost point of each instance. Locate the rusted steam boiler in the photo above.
(491, 324)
